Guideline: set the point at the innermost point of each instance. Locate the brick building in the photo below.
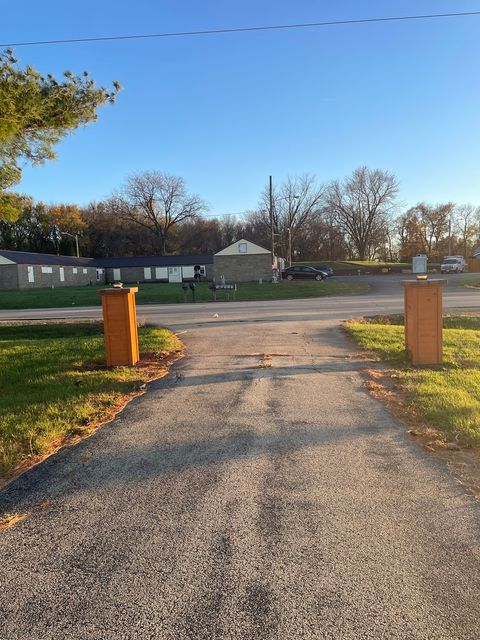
(24, 270)
(243, 261)
(157, 268)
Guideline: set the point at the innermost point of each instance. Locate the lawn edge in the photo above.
(382, 385)
(77, 434)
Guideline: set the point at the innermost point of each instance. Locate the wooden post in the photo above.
(120, 326)
(423, 320)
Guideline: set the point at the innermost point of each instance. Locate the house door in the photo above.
(174, 274)
(30, 274)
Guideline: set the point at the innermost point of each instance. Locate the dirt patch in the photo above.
(462, 460)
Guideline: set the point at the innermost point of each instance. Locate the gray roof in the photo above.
(26, 257)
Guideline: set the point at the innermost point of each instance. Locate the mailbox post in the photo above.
(423, 320)
(120, 326)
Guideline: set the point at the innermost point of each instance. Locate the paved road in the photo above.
(386, 296)
(238, 500)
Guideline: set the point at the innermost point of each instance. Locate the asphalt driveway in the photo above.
(257, 492)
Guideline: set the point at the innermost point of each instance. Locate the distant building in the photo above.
(243, 261)
(24, 270)
(157, 268)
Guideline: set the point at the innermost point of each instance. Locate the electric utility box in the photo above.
(419, 264)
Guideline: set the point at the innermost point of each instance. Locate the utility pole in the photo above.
(72, 235)
(449, 236)
(289, 247)
(76, 245)
(272, 230)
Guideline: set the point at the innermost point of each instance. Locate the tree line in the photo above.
(358, 217)
(153, 212)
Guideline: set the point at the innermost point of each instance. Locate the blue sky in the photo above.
(226, 111)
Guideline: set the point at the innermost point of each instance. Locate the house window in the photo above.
(117, 276)
(242, 247)
(84, 271)
(47, 270)
(75, 270)
(99, 274)
(161, 273)
(188, 272)
(147, 272)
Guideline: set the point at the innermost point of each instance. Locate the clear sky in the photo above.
(226, 111)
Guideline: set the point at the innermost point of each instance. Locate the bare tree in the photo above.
(158, 202)
(361, 205)
(467, 218)
(297, 203)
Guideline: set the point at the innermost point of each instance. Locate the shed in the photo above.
(242, 261)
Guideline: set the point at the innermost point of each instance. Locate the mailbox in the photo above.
(120, 326)
(423, 320)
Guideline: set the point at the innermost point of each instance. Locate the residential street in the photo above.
(246, 497)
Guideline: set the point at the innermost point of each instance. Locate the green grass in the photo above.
(446, 397)
(471, 284)
(355, 264)
(335, 264)
(172, 293)
(374, 263)
(52, 381)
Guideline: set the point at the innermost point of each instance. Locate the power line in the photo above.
(304, 25)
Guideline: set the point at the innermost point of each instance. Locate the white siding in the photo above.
(174, 274)
(161, 273)
(188, 272)
(242, 247)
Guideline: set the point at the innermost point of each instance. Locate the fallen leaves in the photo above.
(9, 520)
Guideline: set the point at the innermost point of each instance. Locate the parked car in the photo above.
(326, 269)
(301, 272)
(453, 264)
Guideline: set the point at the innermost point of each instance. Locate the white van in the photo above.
(453, 264)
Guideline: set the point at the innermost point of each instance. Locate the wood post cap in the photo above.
(424, 283)
(118, 291)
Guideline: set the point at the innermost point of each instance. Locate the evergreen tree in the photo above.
(36, 112)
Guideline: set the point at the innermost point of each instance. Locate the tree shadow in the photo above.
(102, 461)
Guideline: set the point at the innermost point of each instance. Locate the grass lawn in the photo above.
(53, 383)
(471, 284)
(160, 293)
(344, 265)
(446, 398)
(374, 263)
